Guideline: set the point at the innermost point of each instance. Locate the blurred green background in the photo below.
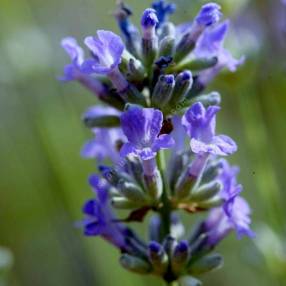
(43, 179)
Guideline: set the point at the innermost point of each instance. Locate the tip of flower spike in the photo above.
(186, 75)
(149, 18)
(168, 79)
(154, 246)
(182, 246)
(209, 14)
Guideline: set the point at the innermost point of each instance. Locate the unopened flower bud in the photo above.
(166, 47)
(184, 82)
(212, 203)
(163, 90)
(135, 264)
(154, 185)
(206, 264)
(157, 257)
(136, 71)
(168, 29)
(135, 168)
(180, 256)
(132, 192)
(169, 244)
(212, 170)
(212, 98)
(197, 65)
(154, 227)
(206, 192)
(149, 21)
(113, 176)
(123, 203)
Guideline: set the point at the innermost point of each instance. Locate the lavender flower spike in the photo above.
(107, 50)
(99, 218)
(200, 127)
(142, 127)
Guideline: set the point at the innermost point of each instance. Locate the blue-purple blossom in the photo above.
(106, 49)
(99, 218)
(178, 133)
(231, 188)
(104, 144)
(211, 44)
(142, 127)
(199, 124)
(218, 224)
(235, 212)
(163, 10)
(209, 14)
(76, 54)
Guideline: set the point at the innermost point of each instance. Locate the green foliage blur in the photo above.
(43, 179)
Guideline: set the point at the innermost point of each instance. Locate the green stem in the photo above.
(165, 211)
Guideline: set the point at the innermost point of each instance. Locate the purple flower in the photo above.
(163, 9)
(208, 15)
(210, 44)
(219, 224)
(106, 49)
(76, 53)
(104, 145)
(235, 212)
(178, 133)
(99, 218)
(200, 127)
(74, 70)
(231, 188)
(142, 128)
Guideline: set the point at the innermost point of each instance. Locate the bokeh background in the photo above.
(43, 179)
